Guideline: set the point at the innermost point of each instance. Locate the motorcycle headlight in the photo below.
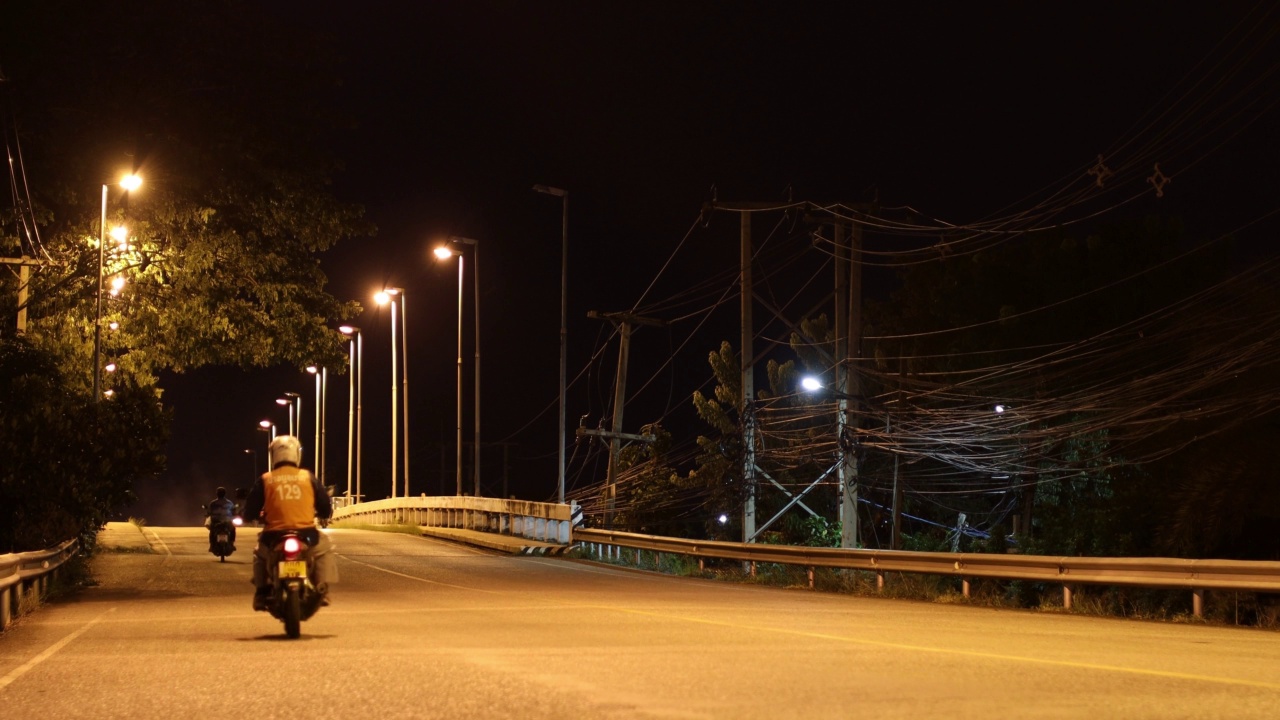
(237, 521)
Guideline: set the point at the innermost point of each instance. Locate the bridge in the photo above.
(424, 627)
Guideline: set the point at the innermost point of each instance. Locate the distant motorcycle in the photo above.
(220, 534)
(291, 572)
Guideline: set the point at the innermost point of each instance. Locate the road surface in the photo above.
(421, 628)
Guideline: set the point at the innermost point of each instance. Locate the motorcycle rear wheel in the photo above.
(292, 614)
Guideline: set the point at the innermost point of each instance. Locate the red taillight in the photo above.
(292, 546)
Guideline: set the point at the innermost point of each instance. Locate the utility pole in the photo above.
(747, 409)
(841, 332)
(625, 321)
(853, 388)
(24, 264)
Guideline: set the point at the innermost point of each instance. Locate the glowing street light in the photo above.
(287, 402)
(395, 297)
(355, 390)
(128, 182)
(322, 392)
(269, 428)
(444, 252)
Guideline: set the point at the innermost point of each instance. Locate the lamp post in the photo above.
(384, 297)
(128, 182)
(322, 396)
(564, 310)
(398, 294)
(354, 392)
(847, 510)
(269, 428)
(287, 401)
(253, 460)
(443, 252)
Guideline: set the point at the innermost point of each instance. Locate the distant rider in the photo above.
(289, 498)
(221, 510)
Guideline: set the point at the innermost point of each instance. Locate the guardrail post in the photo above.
(753, 568)
(879, 581)
(964, 586)
(1066, 597)
(810, 577)
(1197, 602)
(5, 608)
(702, 565)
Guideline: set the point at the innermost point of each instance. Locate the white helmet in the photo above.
(285, 449)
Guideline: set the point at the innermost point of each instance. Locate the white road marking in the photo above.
(22, 669)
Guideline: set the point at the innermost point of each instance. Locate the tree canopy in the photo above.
(225, 111)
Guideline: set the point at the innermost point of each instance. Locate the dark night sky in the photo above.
(639, 110)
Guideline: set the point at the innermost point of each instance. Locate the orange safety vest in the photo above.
(290, 500)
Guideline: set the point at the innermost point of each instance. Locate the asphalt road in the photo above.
(421, 628)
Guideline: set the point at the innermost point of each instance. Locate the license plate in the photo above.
(222, 537)
(293, 569)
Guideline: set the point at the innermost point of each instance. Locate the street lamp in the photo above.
(253, 460)
(269, 428)
(128, 182)
(354, 399)
(444, 252)
(398, 294)
(385, 297)
(322, 396)
(844, 476)
(288, 400)
(564, 310)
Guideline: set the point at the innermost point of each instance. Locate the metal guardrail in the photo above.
(22, 574)
(1169, 573)
(547, 522)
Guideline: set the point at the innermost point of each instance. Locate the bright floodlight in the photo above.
(811, 384)
(443, 253)
(723, 518)
(264, 424)
(348, 329)
(283, 401)
(111, 367)
(313, 369)
(381, 297)
(120, 233)
(131, 182)
(1000, 408)
(113, 325)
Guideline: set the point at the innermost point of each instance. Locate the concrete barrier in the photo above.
(545, 522)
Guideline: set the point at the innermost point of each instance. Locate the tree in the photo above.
(69, 462)
(221, 266)
(229, 121)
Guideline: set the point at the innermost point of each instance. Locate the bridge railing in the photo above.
(546, 522)
(29, 574)
(1167, 573)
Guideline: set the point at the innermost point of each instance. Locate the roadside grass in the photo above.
(138, 522)
(122, 550)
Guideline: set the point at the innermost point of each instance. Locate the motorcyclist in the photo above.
(221, 510)
(289, 498)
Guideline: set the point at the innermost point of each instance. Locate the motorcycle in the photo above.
(291, 572)
(220, 532)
